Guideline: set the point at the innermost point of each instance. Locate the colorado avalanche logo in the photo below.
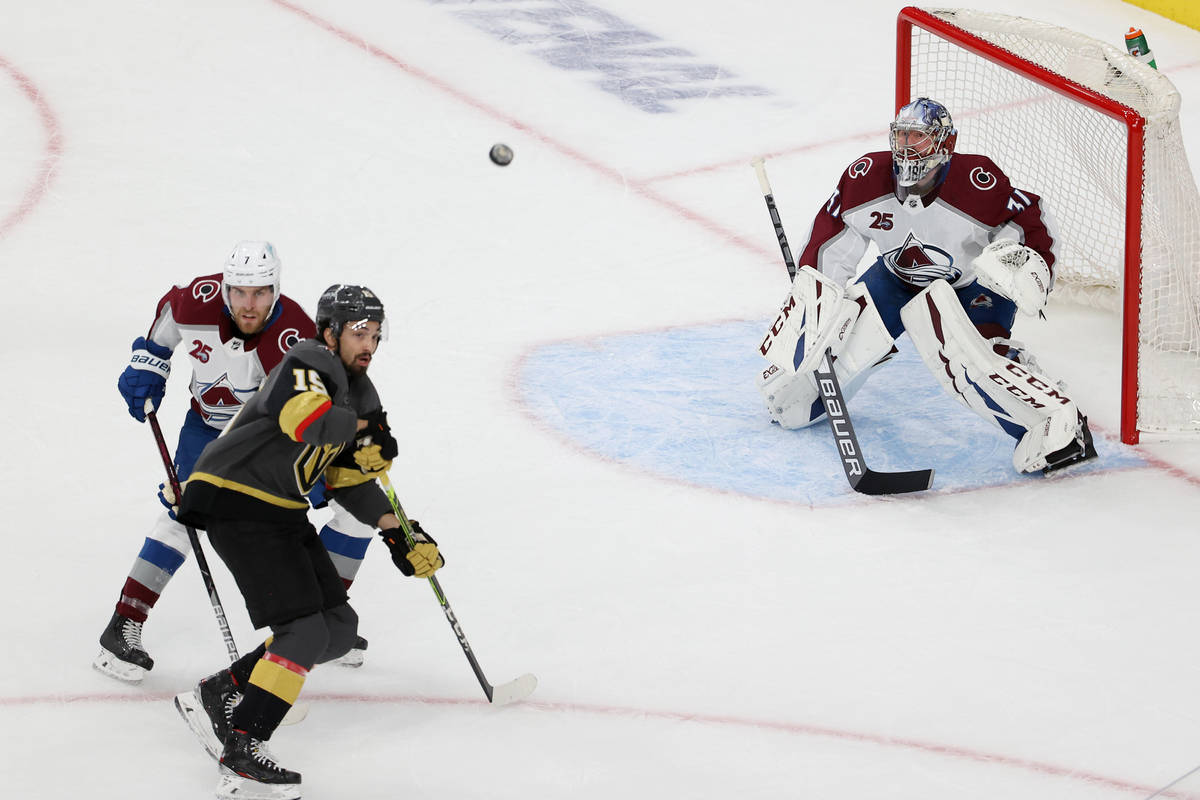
(220, 400)
(983, 301)
(288, 339)
(206, 290)
(982, 179)
(921, 264)
(860, 167)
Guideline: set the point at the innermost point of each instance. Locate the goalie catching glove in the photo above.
(1015, 271)
(422, 559)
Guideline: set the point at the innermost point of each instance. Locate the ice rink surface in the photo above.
(709, 610)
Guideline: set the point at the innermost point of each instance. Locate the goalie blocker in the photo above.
(1051, 432)
(819, 314)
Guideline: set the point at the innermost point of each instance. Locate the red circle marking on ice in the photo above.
(790, 728)
(45, 173)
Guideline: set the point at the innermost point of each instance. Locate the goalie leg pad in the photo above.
(1020, 401)
(793, 398)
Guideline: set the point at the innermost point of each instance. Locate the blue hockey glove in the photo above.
(167, 497)
(146, 377)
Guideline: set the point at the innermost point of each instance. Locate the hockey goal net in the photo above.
(1096, 133)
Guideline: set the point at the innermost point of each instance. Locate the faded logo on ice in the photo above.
(620, 58)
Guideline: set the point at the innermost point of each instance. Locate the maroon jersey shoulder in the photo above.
(868, 178)
(290, 326)
(977, 187)
(198, 303)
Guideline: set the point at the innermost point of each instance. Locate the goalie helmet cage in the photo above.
(1096, 133)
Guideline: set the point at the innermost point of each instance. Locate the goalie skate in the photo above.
(121, 653)
(249, 772)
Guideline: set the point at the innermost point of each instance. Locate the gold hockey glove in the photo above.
(370, 459)
(422, 559)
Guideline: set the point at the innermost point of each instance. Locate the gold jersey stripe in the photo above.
(241, 488)
(301, 411)
(343, 477)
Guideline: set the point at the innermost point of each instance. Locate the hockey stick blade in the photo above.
(514, 690)
(296, 714)
(872, 482)
(862, 479)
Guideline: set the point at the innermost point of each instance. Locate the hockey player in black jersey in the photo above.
(317, 417)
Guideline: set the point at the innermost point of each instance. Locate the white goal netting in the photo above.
(1050, 138)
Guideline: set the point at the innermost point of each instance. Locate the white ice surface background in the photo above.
(709, 609)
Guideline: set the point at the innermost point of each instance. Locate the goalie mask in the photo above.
(252, 264)
(922, 139)
(345, 304)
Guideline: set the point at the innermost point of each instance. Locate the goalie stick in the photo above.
(862, 478)
(505, 693)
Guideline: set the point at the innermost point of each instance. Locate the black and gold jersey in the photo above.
(277, 448)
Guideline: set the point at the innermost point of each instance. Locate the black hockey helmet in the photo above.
(345, 303)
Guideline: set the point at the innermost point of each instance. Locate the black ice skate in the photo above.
(208, 708)
(1081, 449)
(249, 772)
(121, 653)
(355, 655)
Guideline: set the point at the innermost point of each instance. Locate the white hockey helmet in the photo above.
(922, 138)
(252, 264)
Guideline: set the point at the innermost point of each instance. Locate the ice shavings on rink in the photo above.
(703, 422)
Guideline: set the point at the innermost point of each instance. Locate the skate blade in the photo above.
(189, 707)
(232, 786)
(108, 664)
(353, 659)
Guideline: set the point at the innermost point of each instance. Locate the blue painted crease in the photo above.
(682, 404)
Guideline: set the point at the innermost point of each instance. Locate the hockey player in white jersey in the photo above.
(235, 327)
(961, 251)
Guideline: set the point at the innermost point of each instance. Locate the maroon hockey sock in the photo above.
(136, 601)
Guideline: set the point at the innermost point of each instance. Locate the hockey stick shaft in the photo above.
(861, 478)
(194, 539)
(406, 526)
(760, 168)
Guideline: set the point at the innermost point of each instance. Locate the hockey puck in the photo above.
(501, 155)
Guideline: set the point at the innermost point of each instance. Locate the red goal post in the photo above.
(1096, 134)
